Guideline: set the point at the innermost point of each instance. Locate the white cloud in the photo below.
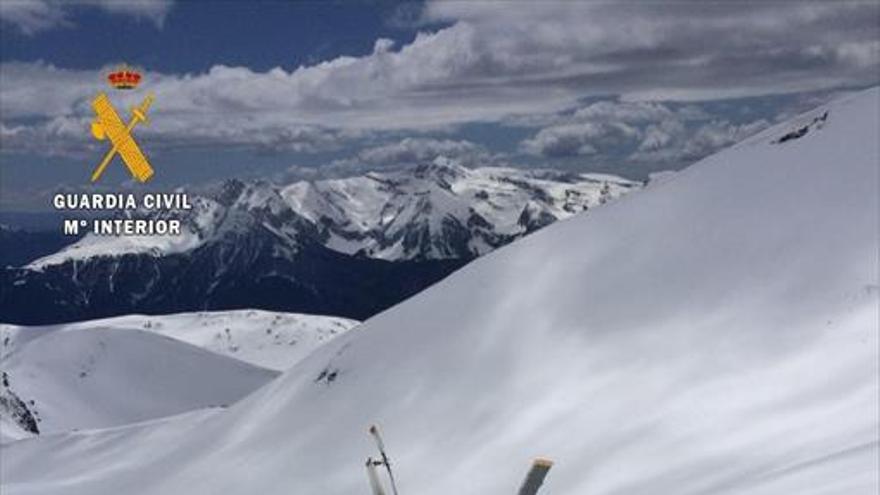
(673, 50)
(396, 155)
(33, 16)
(409, 152)
(718, 134)
(415, 151)
(58, 137)
(609, 124)
(579, 138)
(647, 133)
(496, 60)
(662, 134)
(673, 145)
(154, 11)
(51, 112)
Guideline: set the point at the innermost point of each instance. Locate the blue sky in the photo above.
(194, 36)
(290, 90)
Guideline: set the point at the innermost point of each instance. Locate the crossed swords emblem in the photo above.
(108, 124)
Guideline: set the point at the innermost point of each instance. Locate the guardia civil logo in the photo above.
(108, 126)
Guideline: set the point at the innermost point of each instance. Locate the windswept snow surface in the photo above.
(263, 338)
(94, 376)
(88, 382)
(715, 334)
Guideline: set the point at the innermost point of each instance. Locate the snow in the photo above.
(102, 376)
(263, 338)
(91, 245)
(10, 431)
(366, 211)
(124, 369)
(714, 334)
(383, 206)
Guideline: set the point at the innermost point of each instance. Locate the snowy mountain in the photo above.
(267, 339)
(716, 333)
(442, 210)
(348, 247)
(132, 368)
(436, 211)
(95, 377)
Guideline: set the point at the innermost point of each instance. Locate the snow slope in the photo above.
(262, 338)
(269, 340)
(714, 334)
(11, 430)
(94, 376)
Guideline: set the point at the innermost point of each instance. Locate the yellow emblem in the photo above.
(108, 124)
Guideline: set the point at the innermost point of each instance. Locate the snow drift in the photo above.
(713, 334)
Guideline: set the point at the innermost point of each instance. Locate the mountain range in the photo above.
(348, 247)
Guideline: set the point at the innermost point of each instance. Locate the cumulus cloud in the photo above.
(397, 155)
(492, 61)
(415, 151)
(660, 135)
(717, 134)
(651, 133)
(33, 16)
(672, 50)
(606, 125)
(56, 137)
(154, 11)
(49, 110)
(410, 152)
(579, 138)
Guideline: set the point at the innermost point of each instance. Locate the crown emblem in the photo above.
(124, 77)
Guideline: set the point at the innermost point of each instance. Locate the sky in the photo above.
(286, 91)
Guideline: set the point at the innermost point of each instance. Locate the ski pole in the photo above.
(374, 430)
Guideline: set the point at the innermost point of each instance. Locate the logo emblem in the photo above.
(109, 125)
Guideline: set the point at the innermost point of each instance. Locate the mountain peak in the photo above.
(438, 210)
(442, 169)
(228, 192)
